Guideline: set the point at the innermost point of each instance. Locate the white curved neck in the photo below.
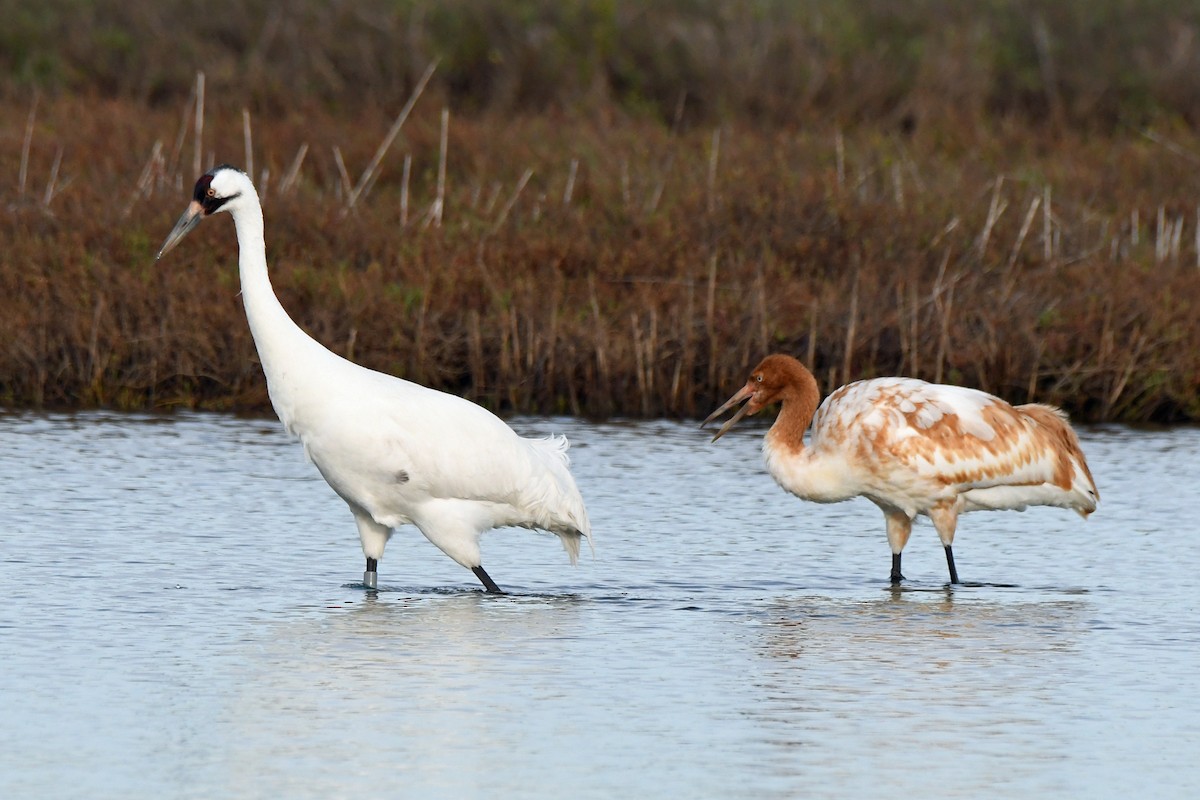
(283, 348)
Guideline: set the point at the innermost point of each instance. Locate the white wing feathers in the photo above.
(425, 450)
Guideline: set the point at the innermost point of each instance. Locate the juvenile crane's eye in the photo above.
(758, 378)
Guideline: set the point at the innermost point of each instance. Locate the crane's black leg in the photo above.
(950, 563)
(487, 581)
(896, 576)
(371, 576)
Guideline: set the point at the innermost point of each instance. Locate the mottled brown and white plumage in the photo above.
(914, 448)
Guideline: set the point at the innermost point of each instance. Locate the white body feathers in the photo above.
(395, 451)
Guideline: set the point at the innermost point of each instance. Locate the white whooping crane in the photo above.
(913, 448)
(395, 451)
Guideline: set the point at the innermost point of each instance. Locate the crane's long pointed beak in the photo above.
(745, 393)
(190, 219)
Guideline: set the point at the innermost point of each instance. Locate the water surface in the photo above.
(181, 619)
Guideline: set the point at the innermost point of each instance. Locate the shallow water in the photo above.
(181, 619)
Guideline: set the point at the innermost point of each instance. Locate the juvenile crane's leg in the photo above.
(945, 520)
(950, 564)
(899, 528)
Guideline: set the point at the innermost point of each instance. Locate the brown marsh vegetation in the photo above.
(600, 210)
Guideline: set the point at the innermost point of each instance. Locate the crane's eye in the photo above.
(758, 377)
(211, 192)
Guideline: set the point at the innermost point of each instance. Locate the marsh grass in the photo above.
(605, 269)
(601, 251)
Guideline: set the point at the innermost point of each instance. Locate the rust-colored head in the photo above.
(776, 378)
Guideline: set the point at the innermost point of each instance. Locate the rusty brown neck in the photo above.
(799, 398)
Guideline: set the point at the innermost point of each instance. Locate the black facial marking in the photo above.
(204, 192)
(402, 476)
(202, 187)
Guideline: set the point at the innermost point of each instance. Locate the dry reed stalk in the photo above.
(652, 351)
(915, 172)
(811, 356)
(714, 155)
(152, 165)
(915, 327)
(370, 184)
(1045, 54)
(552, 336)
(343, 173)
(760, 310)
(493, 198)
(512, 200)
(1026, 224)
(710, 316)
(405, 176)
(515, 331)
(898, 186)
(1035, 372)
(50, 183)
(656, 195)
(673, 397)
(293, 171)
(946, 309)
(687, 364)
(839, 149)
(944, 232)
(669, 161)
(1134, 357)
(475, 354)
(392, 133)
(1197, 242)
(1160, 236)
(1047, 226)
(1172, 146)
(626, 193)
(440, 203)
(198, 128)
(532, 340)
(640, 366)
(515, 354)
(860, 184)
(995, 209)
(570, 187)
(422, 315)
(173, 165)
(852, 326)
(248, 143)
(26, 146)
(95, 368)
(935, 298)
(599, 335)
(1134, 228)
(1009, 268)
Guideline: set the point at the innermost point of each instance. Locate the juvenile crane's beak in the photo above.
(190, 219)
(745, 393)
